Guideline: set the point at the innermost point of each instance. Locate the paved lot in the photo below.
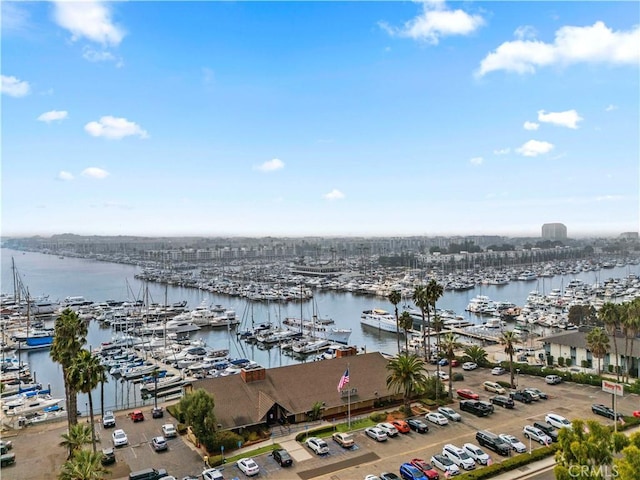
(39, 456)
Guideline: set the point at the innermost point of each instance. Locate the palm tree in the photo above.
(394, 298)
(631, 327)
(476, 354)
(433, 291)
(103, 379)
(85, 465)
(421, 301)
(509, 340)
(70, 336)
(85, 375)
(598, 343)
(438, 324)
(78, 435)
(406, 375)
(449, 346)
(155, 374)
(611, 316)
(406, 323)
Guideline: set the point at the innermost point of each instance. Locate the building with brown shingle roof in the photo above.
(260, 396)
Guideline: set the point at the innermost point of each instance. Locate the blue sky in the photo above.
(327, 118)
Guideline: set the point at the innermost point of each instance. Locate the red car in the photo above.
(401, 426)
(137, 416)
(425, 467)
(466, 393)
(636, 414)
(455, 363)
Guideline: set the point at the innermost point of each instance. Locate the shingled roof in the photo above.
(296, 388)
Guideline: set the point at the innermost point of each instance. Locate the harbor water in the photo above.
(99, 281)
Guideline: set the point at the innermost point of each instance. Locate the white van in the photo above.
(494, 387)
(458, 456)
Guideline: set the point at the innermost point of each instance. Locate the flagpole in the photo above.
(349, 401)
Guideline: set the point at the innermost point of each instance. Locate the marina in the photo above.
(264, 332)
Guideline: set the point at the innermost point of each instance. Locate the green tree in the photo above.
(449, 346)
(406, 323)
(85, 375)
(421, 301)
(438, 325)
(476, 354)
(509, 340)
(586, 444)
(316, 410)
(406, 376)
(598, 343)
(395, 298)
(84, 465)
(197, 410)
(628, 465)
(630, 328)
(70, 336)
(611, 316)
(78, 435)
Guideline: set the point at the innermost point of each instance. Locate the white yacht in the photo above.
(322, 329)
(379, 319)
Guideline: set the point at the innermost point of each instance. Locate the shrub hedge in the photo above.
(510, 464)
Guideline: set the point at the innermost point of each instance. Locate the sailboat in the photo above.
(318, 328)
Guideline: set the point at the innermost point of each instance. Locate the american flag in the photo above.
(343, 380)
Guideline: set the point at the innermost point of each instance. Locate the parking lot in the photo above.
(38, 455)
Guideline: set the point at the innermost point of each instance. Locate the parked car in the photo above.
(119, 438)
(159, 443)
(418, 425)
(157, 412)
(371, 477)
(318, 446)
(444, 376)
(458, 456)
(605, 411)
(5, 446)
(493, 442)
(437, 418)
(476, 453)
(401, 426)
(387, 428)
(475, 407)
(521, 396)
(444, 464)
(137, 416)
(552, 379)
(636, 413)
(411, 472)
(389, 476)
(537, 435)
(540, 393)
(169, 430)
(8, 458)
(497, 371)
(108, 457)
(376, 433)
(212, 474)
(345, 440)
(494, 387)
(557, 421)
(248, 466)
(548, 429)
(450, 413)
(282, 457)
(108, 419)
(443, 362)
(469, 366)
(513, 442)
(467, 393)
(534, 396)
(426, 468)
(503, 401)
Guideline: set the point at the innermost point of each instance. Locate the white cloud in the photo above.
(533, 148)
(611, 108)
(53, 115)
(502, 151)
(270, 165)
(334, 195)
(434, 22)
(608, 198)
(114, 128)
(476, 161)
(92, 55)
(591, 44)
(568, 119)
(14, 18)
(95, 172)
(66, 176)
(88, 19)
(14, 87)
(531, 125)
(525, 32)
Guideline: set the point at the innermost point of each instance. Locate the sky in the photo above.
(319, 118)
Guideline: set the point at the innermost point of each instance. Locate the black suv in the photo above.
(548, 429)
(490, 440)
(605, 411)
(479, 409)
(521, 396)
(282, 457)
(506, 402)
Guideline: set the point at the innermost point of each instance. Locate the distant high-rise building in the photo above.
(554, 231)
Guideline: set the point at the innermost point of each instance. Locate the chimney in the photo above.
(253, 374)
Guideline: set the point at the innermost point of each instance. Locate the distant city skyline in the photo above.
(320, 118)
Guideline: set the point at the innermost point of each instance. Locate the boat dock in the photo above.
(487, 335)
